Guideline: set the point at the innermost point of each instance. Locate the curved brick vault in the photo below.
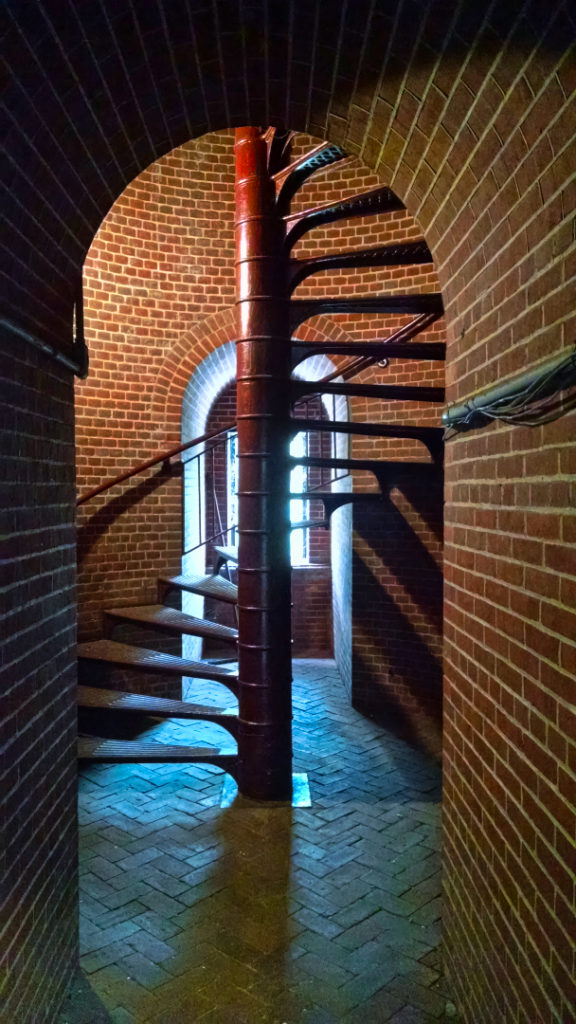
(468, 113)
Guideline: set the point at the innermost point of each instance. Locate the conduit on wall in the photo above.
(527, 400)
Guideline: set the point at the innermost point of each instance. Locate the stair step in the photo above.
(368, 429)
(170, 620)
(332, 499)
(432, 437)
(385, 392)
(426, 350)
(395, 254)
(208, 586)
(387, 472)
(142, 658)
(380, 467)
(309, 524)
(137, 752)
(160, 707)
(335, 499)
(413, 304)
(227, 554)
(373, 201)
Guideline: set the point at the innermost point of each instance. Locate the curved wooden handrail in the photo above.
(152, 462)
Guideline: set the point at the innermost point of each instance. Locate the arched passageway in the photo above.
(469, 117)
(324, 732)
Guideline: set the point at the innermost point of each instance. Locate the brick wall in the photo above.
(467, 111)
(157, 265)
(38, 786)
(397, 611)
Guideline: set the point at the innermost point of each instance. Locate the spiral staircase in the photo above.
(97, 657)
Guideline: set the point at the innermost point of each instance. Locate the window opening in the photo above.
(232, 485)
(299, 507)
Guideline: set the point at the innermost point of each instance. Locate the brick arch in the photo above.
(182, 360)
(428, 129)
(191, 349)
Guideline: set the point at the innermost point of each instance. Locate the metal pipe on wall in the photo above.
(555, 374)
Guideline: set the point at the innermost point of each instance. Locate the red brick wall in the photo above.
(38, 790)
(467, 111)
(157, 265)
(397, 611)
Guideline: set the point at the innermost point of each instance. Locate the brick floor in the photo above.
(251, 914)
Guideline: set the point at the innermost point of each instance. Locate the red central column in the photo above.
(263, 407)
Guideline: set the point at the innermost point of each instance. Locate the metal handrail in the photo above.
(354, 367)
(208, 540)
(164, 457)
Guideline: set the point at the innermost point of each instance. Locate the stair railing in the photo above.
(157, 460)
(352, 368)
(220, 437)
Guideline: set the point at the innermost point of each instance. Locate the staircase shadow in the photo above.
(400, 551)
(400, 686)
(237, 924)
(249, 900)
(427, 503)
(90, 532)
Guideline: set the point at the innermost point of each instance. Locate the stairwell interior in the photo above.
(157, 556)
(151, 260)
(467, 112)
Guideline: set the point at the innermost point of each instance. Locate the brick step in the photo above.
(159, 707)
(169, 620)
(207, 586)
(137, 752)
(142, 658)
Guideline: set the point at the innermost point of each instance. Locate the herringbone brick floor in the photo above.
(191, 912)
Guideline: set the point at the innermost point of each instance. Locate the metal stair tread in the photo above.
(128, 656)
(375, 465)
(383, 392)
(350, 497)
(370, 429)
(159, 707)
(94, 748)
(228, 553)
(170, 620)
(208, 586)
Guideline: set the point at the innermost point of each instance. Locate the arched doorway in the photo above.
(210, 381)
